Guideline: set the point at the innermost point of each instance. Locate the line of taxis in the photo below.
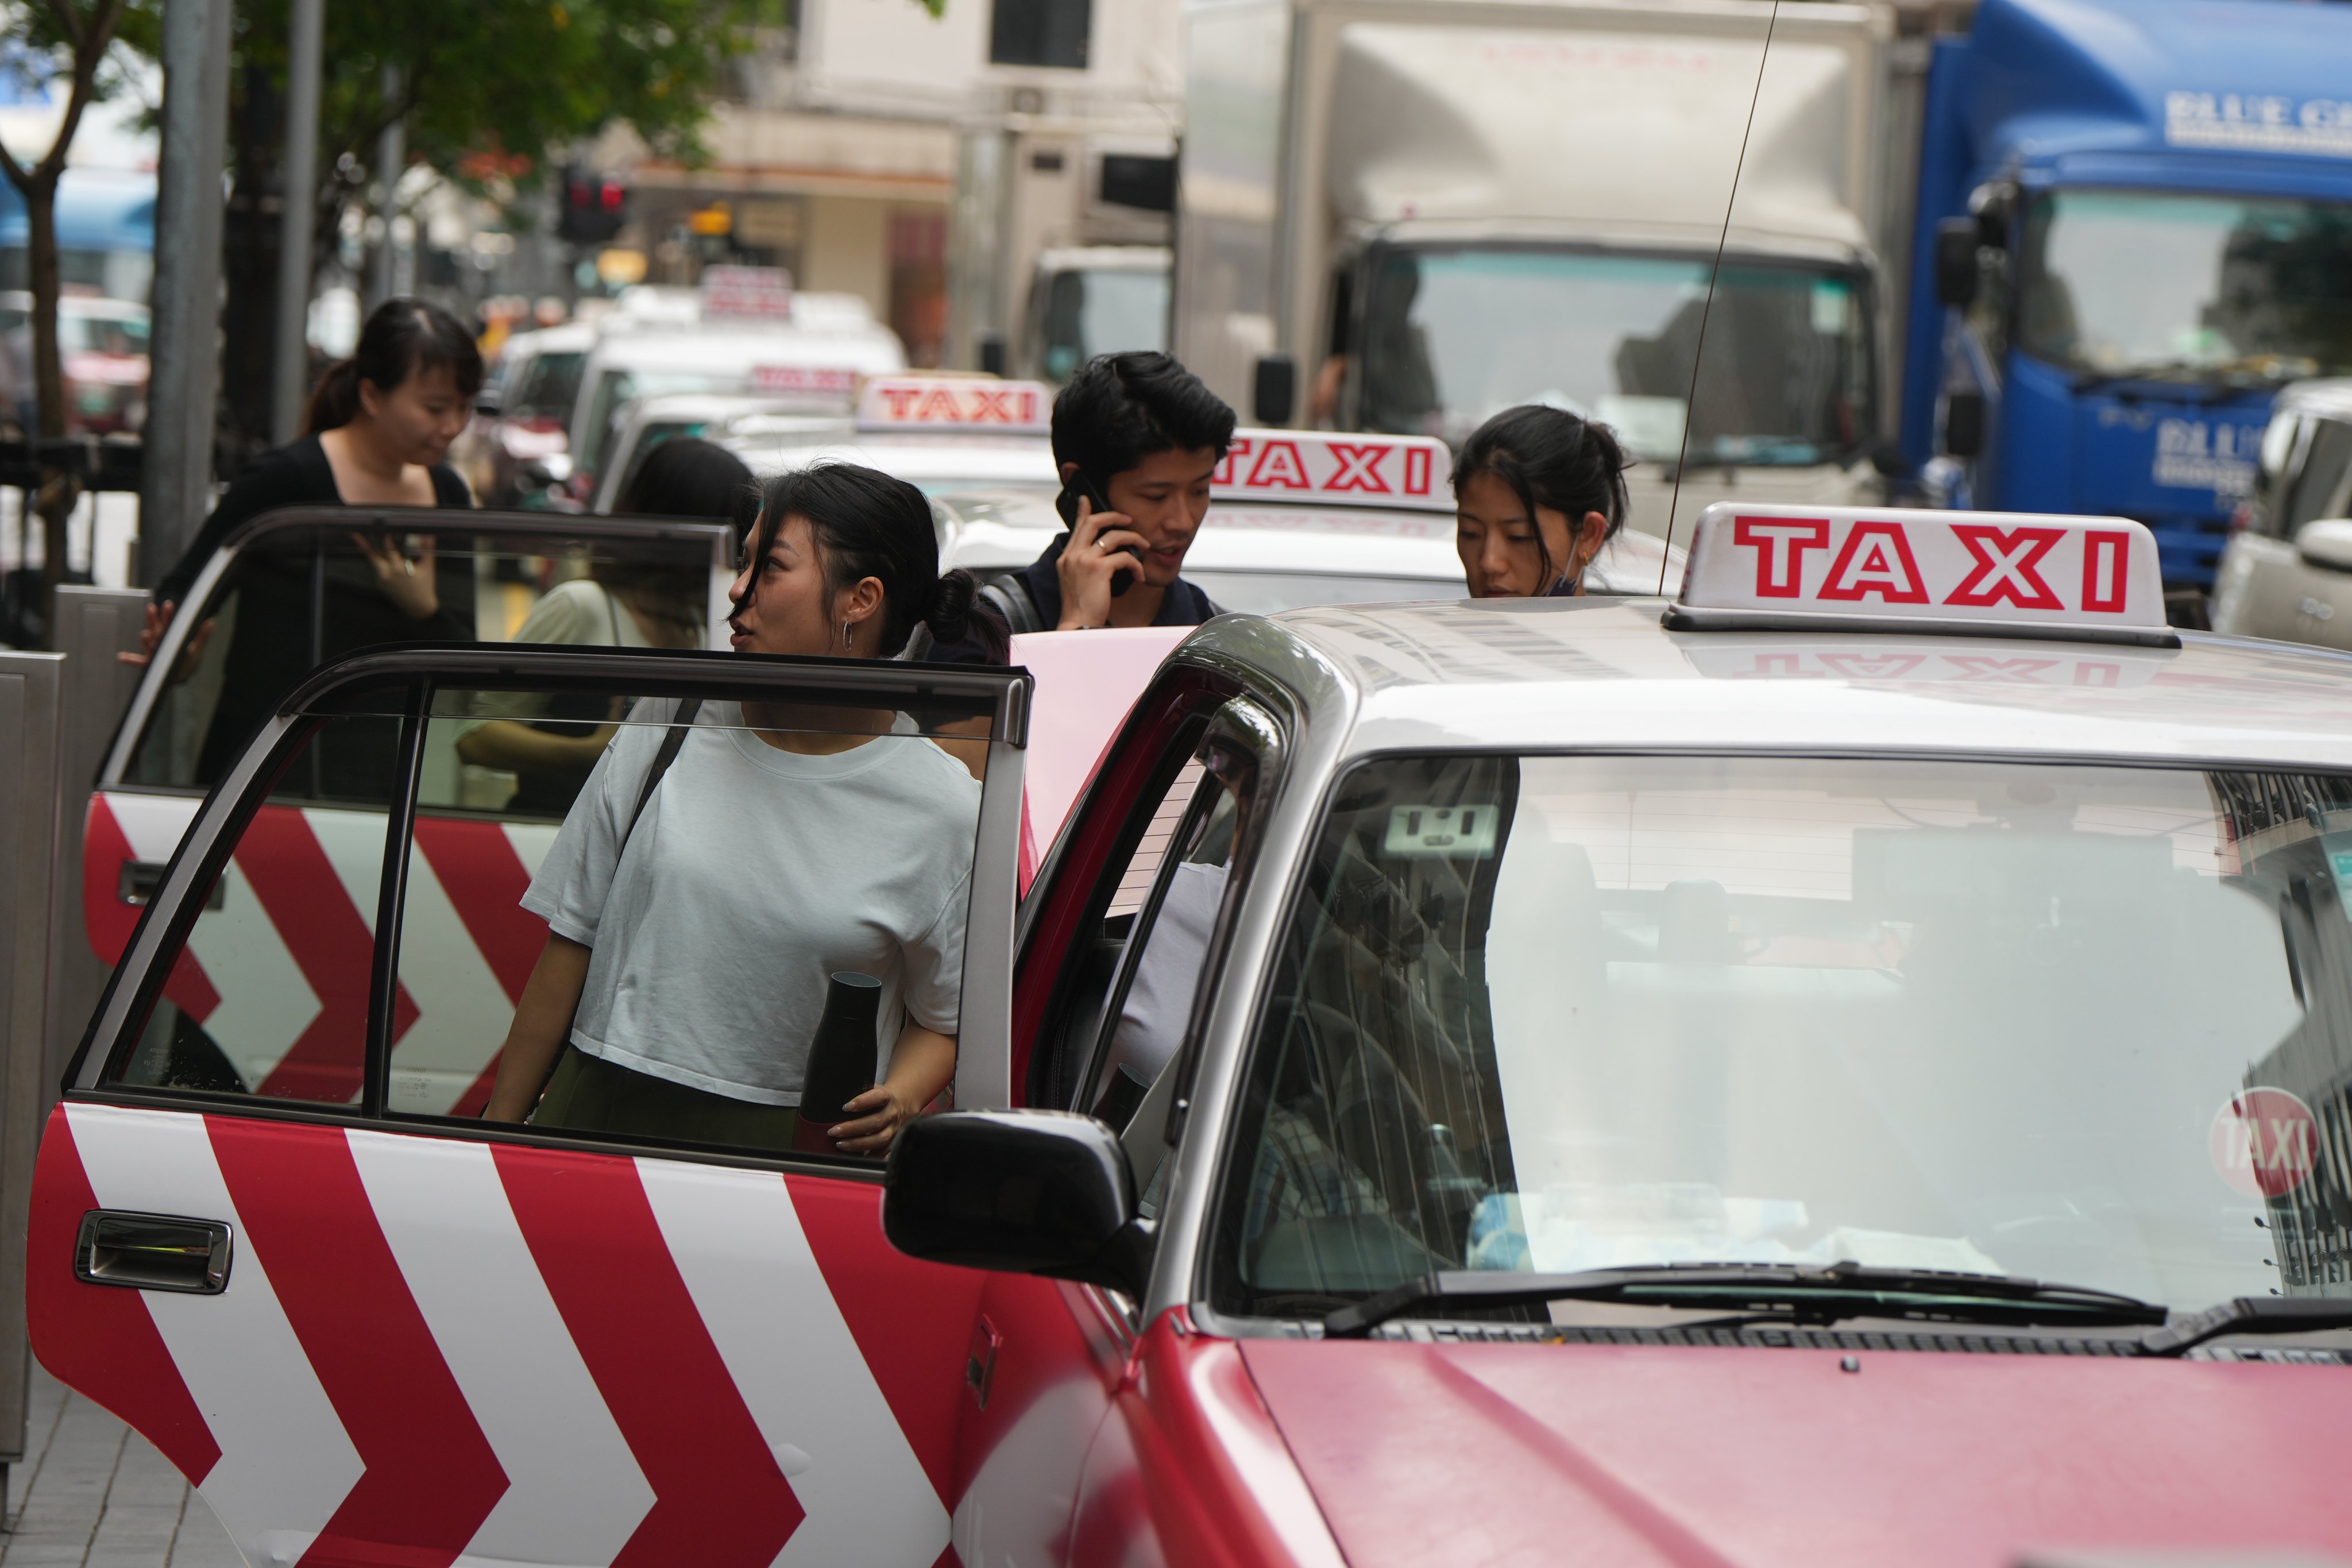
(1847, 1062)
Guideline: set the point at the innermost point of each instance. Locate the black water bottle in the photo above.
(840, 1059)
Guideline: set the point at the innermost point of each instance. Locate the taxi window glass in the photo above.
(1153, 995)
(268, 995)
(2318, 490)
(288, 604)
(789, 860)
(2081, 1025)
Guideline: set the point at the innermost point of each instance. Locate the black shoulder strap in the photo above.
(1011, 597)
(682, 721)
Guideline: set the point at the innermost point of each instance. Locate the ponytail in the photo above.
(956, 610)
(401, 338)
(335, 401)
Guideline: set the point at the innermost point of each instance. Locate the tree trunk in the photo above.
(59, 489)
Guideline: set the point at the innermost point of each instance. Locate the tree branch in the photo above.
(69, 23)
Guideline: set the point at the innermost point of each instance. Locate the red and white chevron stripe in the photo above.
(434, 1351)
(278, 974)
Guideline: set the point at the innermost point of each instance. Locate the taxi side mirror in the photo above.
(1027, 1191)
(2326, 543)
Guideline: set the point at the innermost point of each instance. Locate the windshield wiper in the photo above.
(2250, 1315)
(1798, 1292)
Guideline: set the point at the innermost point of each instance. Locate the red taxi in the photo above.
(1848, 1064)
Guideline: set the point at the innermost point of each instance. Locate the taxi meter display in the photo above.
(1410, 471)
(955, 403)
(2069, 577)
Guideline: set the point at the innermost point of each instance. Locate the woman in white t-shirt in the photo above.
(688, 956)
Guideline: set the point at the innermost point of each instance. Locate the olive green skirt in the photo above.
(587, 1094)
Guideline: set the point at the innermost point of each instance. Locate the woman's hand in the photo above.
(1097, 552)
(150, 637)
(922, 1065)
(409, 584)
(878, 1113)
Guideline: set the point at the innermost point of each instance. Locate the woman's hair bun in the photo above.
(955, 611)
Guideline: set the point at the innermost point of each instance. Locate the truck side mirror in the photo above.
(1274, 390)
(991, 356)
(489, 402)
(1964, 422)
(1956, 261)
(1027, 1191)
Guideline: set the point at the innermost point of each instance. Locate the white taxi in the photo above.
(1770, 1077)
(935, 431)
(1299, 518)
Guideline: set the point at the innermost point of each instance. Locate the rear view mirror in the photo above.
(1028, 1192)
(2326, 543)
(1964, 422)
(1956, 262)
(489, 402)
(1275, 390)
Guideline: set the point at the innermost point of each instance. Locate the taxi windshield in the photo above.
(2187, 288)
(2084, 1024)
(1454, 335)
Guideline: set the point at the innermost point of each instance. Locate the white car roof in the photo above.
(1005, 530)
(1538, 674)
(930, 460)
(738, 352)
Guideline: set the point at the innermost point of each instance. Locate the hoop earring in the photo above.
(844, 636)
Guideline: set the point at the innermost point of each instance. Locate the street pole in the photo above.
(183, 374)
(299, 214)
(391, 154)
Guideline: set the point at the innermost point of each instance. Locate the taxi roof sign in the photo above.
(1984, 574)
(1336, 469)
(956, 403)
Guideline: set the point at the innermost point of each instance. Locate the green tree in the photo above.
(507, 84)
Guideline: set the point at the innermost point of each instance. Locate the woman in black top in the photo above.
(379, 423)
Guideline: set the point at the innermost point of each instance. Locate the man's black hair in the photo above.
(1121, 408)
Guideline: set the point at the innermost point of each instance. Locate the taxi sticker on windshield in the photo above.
(2264, 1141)
(1441, 832)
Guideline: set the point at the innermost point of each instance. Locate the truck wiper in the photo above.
(2250, 1315)
(1802, 1293)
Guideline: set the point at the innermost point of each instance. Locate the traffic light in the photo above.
(594, 208)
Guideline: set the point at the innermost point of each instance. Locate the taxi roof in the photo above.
(1548, 674)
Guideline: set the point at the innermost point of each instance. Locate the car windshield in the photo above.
(549, 385)
(1264, 593)
(1100, 310)
(80, 333)
(1453, 336)
(2077, 1023)
(2187, 288)
(616, 389)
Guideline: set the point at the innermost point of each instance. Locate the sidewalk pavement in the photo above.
(91, 1493)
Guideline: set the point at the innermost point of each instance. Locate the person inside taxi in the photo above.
(689, 943)
(550, 743)
(1137, 437)
(376, 431)
(1538, 492)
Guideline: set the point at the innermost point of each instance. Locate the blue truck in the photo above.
(2135, 224)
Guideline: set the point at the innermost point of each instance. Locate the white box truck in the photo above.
(1406, 214)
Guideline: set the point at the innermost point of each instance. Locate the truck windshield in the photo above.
(1100, 310)
(2187, 288)
(1453, 336)
(2077, 1023)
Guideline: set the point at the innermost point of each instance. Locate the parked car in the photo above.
(2287, 571)
(103, 344)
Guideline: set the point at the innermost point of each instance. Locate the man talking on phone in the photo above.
(1137, 436)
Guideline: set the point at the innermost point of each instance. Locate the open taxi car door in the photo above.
(270, 1231)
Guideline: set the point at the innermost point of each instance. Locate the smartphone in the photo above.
(1066, 503)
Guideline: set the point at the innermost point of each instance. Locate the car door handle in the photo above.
(153, 1252)
(141, 879)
